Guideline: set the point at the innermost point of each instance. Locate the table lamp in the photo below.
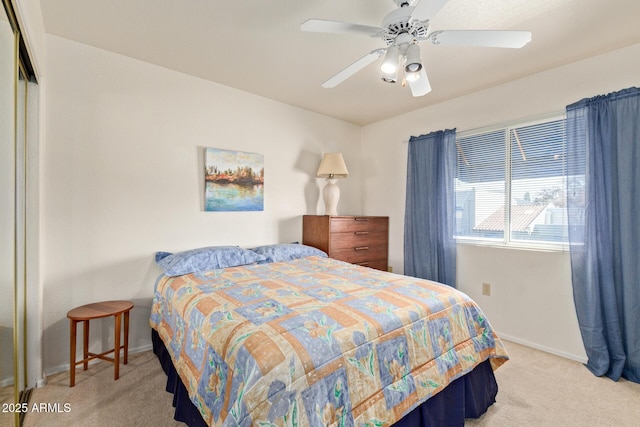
(331, 167)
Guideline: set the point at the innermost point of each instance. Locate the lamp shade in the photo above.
(332, 166)
(390, 61)
(414, 64)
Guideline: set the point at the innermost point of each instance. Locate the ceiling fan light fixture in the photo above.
(390, 62)
(402, 30)
(413, 62)
(390, 77)
(412, 77)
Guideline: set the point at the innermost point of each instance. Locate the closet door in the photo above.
(8, 393)
(20, 288)
(18, 214)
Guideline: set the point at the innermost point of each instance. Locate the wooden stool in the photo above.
(96, 311)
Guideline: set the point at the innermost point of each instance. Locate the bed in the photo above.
(283, 335)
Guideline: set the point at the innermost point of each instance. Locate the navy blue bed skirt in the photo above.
(466, 397)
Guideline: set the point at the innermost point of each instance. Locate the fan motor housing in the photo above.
(399, 21)
(403, 3)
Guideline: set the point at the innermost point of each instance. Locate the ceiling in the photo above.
(257, 46)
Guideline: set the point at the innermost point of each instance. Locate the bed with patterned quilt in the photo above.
(282, 335)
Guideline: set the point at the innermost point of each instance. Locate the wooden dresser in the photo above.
(362, 240)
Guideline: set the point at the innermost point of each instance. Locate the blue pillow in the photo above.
(205, 259)
(287, 252)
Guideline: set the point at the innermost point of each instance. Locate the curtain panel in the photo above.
(429, 223)
(603, 200)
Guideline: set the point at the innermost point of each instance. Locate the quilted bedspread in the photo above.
(317, 342)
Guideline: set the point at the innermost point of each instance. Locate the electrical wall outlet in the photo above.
(486, 289)
(390, 269)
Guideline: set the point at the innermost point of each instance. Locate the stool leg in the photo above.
(126, 336)
(116, 348)
(72, 354)
(85, 345)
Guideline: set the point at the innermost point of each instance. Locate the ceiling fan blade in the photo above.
(420, 86)
(324, 26)
(486, 38)
(353, 68)
(424, 10)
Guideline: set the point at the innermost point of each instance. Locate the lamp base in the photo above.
(331, 195)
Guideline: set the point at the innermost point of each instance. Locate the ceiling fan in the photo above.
(402, 30)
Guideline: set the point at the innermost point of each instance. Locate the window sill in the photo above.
(522, 246)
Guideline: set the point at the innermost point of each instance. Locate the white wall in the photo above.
(531, 298)
(123, 178)
(29, 15)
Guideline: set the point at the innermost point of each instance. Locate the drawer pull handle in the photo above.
(361, 219)
(360, 233)
(361, 248)
(363, 264)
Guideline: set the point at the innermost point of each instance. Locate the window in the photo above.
(511, 183)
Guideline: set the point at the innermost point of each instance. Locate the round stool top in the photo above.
(97, 310)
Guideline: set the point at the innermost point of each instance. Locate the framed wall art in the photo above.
(234, 181)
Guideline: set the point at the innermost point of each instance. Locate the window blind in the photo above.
(511, 184)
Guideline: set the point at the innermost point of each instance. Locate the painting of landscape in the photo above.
(234, 180)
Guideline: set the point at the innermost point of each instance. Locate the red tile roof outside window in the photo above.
(522, 218)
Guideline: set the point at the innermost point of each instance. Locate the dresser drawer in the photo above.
(354, 224)
(357, 238)
(359, 254)
(380, 264)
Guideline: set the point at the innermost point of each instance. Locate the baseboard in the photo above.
(9, 381)
(65, 367)
(557, 352)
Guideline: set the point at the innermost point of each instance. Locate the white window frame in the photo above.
(506, 241)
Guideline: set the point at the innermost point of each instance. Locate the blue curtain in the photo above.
(429, 221)
(603, 189)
